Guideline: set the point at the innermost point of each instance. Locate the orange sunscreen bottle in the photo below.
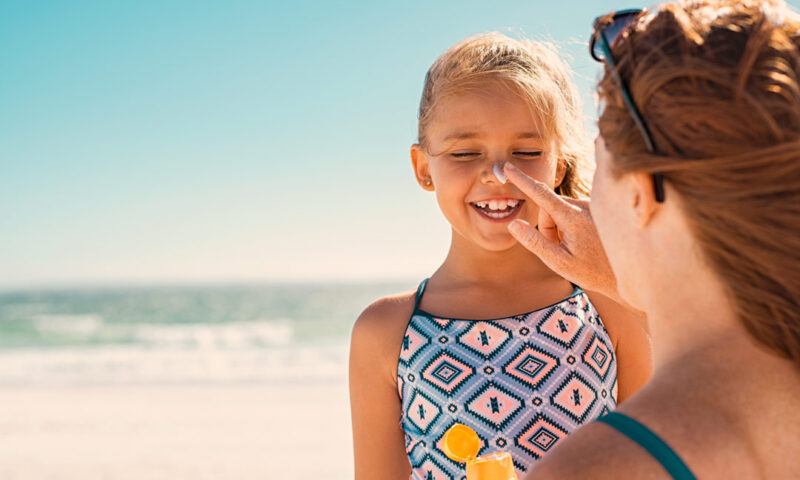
(461, 444)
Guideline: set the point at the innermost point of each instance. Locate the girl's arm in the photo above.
(378, 439)
(631, 345)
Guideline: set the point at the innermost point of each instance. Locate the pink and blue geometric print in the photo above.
(522, 383)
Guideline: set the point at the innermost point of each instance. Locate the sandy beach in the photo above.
(169, 432)
(203, 382)
(150, 427)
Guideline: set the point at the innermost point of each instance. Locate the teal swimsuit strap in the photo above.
(420, 291)
(648, 440)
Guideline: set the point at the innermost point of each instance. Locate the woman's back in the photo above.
(727, 413)
(737, 416)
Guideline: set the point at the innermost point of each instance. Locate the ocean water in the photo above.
(241, 333)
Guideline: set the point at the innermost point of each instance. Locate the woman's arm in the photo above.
(378, 439)
(632, 345)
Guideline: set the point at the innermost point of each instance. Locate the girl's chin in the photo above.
(498, 244)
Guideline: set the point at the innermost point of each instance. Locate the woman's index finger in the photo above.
(537, 191)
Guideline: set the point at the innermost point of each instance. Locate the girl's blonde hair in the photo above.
(541, 78)
(718, 84)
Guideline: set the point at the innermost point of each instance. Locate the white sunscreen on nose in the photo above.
(499, 173)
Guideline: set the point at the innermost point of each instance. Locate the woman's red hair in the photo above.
(718, 84)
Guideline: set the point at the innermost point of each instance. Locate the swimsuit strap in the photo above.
(648, 440)
(420, 291)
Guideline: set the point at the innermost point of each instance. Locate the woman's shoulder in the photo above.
(599, 451)
(380, 327)
(596, 451)
(702, 438)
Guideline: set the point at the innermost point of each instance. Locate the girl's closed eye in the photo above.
(465, 155)
(528, 154)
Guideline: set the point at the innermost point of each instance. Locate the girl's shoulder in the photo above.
(619, 322)
(631, 341)
(378, 332)
(385, 314)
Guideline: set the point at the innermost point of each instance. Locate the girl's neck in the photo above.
(467, 263)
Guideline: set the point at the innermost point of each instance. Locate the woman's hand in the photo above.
(566, 239)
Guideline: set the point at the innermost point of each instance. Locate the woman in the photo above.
(696, 200)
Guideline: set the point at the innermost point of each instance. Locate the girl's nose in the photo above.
(497, 169)
(493, 172)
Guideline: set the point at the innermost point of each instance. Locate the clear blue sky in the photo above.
(213, 141)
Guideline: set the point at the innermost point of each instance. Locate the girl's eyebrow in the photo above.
(528, 135)
(469, 135)
(461, 136)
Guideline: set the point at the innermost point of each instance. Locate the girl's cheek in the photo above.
(543, 172)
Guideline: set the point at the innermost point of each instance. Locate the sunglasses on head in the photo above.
(608, 30)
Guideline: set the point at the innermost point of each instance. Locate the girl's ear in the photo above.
(420, 161)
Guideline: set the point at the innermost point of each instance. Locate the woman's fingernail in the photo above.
(499, 173)
(515, 226)
(510, 166)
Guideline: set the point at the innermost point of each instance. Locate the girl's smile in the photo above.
(498, 209)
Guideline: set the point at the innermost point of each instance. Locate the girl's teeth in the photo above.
(498, 215)
(498, 204)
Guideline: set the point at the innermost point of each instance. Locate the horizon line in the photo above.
(112, 284)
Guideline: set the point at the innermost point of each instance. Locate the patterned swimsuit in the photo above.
(522, 383)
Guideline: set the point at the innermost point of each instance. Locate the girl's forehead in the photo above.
(482, 106)
(469, 116)
(490, 94)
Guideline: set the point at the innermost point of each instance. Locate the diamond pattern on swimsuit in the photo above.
(523, 383)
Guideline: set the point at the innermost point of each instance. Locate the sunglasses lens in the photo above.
(619, 25)
(612, 32)
(597, 50)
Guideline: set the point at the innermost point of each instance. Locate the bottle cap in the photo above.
(460, 443)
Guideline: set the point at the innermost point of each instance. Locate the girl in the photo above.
(494, 339)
